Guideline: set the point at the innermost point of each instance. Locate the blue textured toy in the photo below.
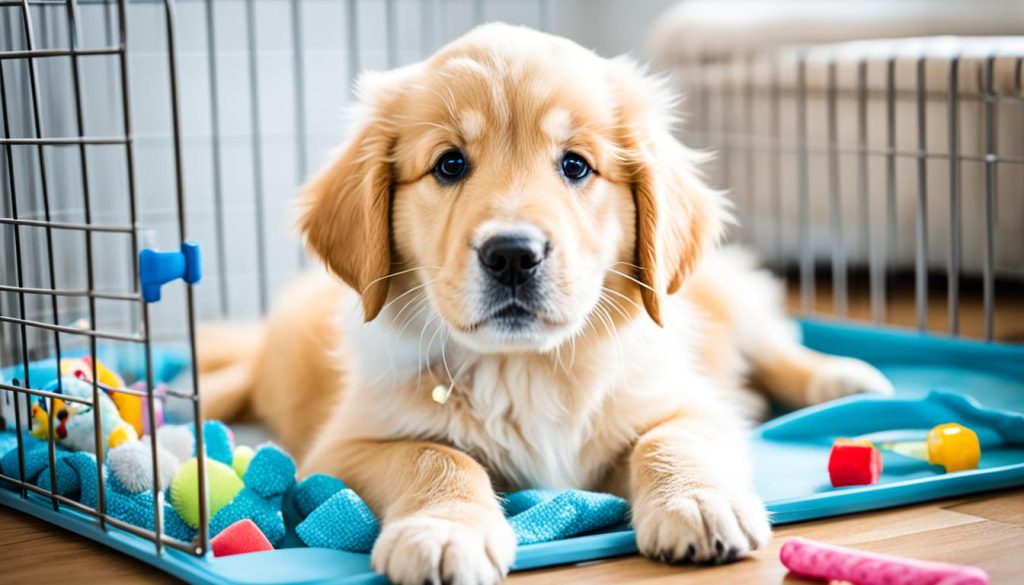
(271, 472)
(315, 490)
(343, 522)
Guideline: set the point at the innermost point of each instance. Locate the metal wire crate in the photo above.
(60, 220)
(124, 123)
(106, 153)
(876, 171)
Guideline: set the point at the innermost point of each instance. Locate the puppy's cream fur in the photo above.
(636, 379)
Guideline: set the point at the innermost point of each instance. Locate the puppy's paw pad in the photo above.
(421, 550)
(704, 526)
(845, 376)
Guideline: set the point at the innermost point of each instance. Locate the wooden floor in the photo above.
(987, 530)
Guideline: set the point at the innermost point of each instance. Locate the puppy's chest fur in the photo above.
(532, 420)
(517, 417)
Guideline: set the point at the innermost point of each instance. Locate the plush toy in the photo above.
(129, 460)
(269, 474)
(242, 458)
(74, 422)
(178, 439)
(81, 368)
(132, 465)
(223, 485)
(133, 409)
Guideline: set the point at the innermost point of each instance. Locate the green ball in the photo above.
(242, 457)
(223, 484)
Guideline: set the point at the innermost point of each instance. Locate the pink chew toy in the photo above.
(835, 563)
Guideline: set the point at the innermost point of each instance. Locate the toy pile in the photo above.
(254, 500)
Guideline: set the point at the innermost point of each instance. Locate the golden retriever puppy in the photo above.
(533, 300)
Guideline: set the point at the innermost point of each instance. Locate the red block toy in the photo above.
(240, 538)
(854, 462)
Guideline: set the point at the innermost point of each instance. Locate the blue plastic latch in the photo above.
(159, 268)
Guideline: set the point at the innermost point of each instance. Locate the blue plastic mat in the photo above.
(938, 380)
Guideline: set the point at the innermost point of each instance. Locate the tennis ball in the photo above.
(240, 461)
(223, 484)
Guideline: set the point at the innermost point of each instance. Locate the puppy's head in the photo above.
(522, 183)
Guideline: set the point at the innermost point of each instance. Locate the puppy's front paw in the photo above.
(421, 549)
(702, 526)
(841, 377)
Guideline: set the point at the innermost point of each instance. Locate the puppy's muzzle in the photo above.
(513, 259)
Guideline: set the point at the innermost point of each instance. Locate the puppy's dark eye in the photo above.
(450, 166)
(575, 167)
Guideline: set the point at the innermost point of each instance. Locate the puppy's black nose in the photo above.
(512, 258)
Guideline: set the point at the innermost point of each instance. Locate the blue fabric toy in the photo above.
(570, 513)
(335, 516)
(36, 457)
(315, 490)
(84, 465)
(76, 474)
(271, 472)
(68, 483)
(9, 441)
(522, 500)
(343, 522)
(331, 515)
(219, 441)
(265, 512)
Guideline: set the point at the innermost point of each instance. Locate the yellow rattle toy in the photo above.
(951, 445)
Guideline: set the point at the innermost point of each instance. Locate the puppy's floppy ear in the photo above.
(347, 206)
(678, 217)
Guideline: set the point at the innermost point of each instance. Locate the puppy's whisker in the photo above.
(589, 324)
(461, 371)
(601, 314)
(628, 277)
(618, 307)
(622, 296)
(430, 344)
(401, 296)
(558, 358)
(391, 361)
(419, 351)
(630, 264)
(618, 304)
(607, 266)
(444, 357)
(614, 332)
(418, 299)
(423, 304)
(392, 275)
(572, 344)
(614, 305)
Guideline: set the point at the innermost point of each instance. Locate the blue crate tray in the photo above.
(937, 379)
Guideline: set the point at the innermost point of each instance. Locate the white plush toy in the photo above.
(132, 462)
(132, 465)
